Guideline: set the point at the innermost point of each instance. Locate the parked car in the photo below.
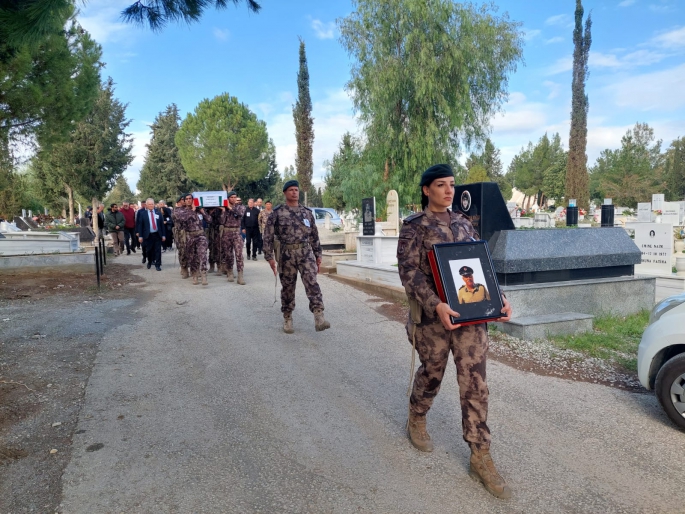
(320, 216)
(661, 356)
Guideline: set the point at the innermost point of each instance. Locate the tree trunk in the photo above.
(305, 199)
(386, 173)
(70, 194)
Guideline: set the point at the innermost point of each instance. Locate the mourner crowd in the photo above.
(211, 241)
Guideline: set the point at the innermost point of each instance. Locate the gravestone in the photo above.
(655, 241)
(670, 213)
(369, 216)
(644, 212)
(392, 226)
(483, 204)
(657, 202)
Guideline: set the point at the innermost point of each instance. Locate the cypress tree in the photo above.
(577, 179)
(304, 125)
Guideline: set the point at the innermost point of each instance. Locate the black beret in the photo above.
(435, 172)
(182, 197)
(230, 194)
(465, 271)
(290, 183)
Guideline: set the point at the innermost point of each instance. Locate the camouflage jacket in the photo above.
(418, 234)
(291, 225)
(189, 220)
(263, 216)
(232, 217)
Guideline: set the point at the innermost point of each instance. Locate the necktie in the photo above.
(152, 217)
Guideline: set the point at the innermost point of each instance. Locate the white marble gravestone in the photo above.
(644, 212)
(671, 213)
(657, 202)
(655, 241)
(391, 227)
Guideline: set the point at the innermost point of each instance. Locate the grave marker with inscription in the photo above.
(655, 241)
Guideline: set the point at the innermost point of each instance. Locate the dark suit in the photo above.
(152, 241)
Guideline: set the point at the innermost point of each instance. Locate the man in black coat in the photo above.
(250, 227)
(151, 233)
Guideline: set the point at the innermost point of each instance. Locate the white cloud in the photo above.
(333, 117)
(560, 66)
(554, 88)
(600, 60)
(626, 3)
(656, 91)
(672, 39)
(519, 116)
(664, 6)
(221, 34)
(557, 39)
(530, 34)
(324, 30)
(560, 20)
(102, 19)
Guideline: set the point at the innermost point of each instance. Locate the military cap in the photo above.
(290, 183)
(434, 172)
(465, 271)
(231, 193)
(182, 197)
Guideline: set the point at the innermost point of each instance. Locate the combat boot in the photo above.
(220, 269)
(482, 469)
(184, 272)
(240, 278)
(288, 323)
(230, 275)
(211, 268)
(195, 282)
(320, 322)
(418, 435)
(204, 278)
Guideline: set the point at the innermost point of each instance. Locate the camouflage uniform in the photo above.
(231, 240)
(299, 250)
(469, 344)
(263, 217)
(195, 247)
(214, 238)
(179, 237)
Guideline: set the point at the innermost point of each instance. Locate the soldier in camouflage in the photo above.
(431, 331)
(214, 240)
(195, 245)
(263, 217)
(292, 229)
(231, 239)
(179, 235)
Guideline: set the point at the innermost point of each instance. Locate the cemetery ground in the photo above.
(149, 414)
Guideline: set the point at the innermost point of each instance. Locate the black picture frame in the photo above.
(453, 258)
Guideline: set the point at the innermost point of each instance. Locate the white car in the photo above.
(661, 356)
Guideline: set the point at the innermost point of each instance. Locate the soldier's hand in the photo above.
(444, 312)
(506, 310)
(318, 265)
(272, 263)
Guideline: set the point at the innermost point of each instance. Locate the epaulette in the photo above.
(278, 207)
(414, 216)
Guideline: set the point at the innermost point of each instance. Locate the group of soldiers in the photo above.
(290, 237)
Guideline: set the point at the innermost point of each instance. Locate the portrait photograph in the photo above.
(468, 281)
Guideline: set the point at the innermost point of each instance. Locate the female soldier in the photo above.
(429, 327)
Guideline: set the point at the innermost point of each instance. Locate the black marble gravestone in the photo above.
(483, 204)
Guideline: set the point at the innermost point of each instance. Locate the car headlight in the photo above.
(666, 305)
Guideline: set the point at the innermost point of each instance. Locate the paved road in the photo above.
(205, 405)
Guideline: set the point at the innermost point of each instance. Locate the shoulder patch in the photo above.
(414, 216)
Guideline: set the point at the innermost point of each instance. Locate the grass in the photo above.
(613, 338)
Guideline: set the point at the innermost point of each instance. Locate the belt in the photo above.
(295, 246)
(196, 232)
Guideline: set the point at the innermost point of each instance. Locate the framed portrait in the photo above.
(466, 280)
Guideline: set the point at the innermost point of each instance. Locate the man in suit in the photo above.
(140, 211)
(151, 233)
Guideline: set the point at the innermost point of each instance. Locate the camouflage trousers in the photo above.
(232, 250)
(214, 242)
(469, 347)
(301, 260)
(195, 252)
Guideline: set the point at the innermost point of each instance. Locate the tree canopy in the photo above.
(426, 79)
(157, 13)
(163, 176)
(223, 144)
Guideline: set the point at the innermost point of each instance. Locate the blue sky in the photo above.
(637, 70)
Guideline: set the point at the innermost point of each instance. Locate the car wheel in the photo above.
(670, 389)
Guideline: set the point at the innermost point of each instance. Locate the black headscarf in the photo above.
(434, 172)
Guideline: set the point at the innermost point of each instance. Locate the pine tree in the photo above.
(163, 176)
(577, 179)
(304, 125)
(120, 193)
